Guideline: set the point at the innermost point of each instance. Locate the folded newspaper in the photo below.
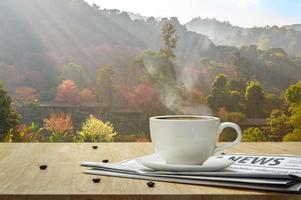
(280, 173)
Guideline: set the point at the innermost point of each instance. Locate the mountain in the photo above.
(38, 38)
(190, 45)
(271, 37)
(223, 33)
(218, 32)
(273, 67)
(296, 27)
(137, 16)
(60, 25)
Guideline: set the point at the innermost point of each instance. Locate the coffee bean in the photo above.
(95, 147)
(150, 184)
(223, 153)
(43, 167)
(105, 160)
(96, 180)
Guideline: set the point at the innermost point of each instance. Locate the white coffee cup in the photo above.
(188, 139)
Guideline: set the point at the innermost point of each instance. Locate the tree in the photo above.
(26, 94)
(278, 125)
(253, 135)
(295, 118)
(104, 81)
(221, 96)
(218, 94)
(295, 136)
(8, 116)
(235, 101)
(77, 73)
(220, 82)
(86, 96)
(292, 98)
(295, 121)
(122, 94)
(170, 41)
(285, 125)
(254, 100)
(292, 94)
(67, 92)
(159, 66)
(271, 102)
(145, 97)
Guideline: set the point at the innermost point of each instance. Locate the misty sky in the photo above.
(244, 13)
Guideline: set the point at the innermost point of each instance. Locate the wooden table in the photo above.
(21, 178)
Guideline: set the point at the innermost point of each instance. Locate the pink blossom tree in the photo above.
(86, 96)
(67, 92)
(143, 95)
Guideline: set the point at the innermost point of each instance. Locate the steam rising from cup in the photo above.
(168, 86)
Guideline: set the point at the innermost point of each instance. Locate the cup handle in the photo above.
(224, 125)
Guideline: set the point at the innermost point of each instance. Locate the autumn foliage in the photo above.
(24, 133)
(25, 94)
(144, 95)
(67, 92)
(86, 96)
(122, 94)
(59, 123)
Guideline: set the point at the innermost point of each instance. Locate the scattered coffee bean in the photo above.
(96, 180)
(150, 184)
(223, 153)
(43, 167)
(95, 147)
(105, 160)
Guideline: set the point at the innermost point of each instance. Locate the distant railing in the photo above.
(92, 107)
(255, 122)
(124, 111)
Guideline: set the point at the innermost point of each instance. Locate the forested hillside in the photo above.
(218, 32)
(273, 67)
(223, 33)
(62, 60)
(38, 37)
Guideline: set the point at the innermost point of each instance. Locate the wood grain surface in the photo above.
(21, 178)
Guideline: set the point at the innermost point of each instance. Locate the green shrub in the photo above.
(8, 116)
(295, 136)
(60, 127)
(253, 135)
(23, 133)
(95, 130)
